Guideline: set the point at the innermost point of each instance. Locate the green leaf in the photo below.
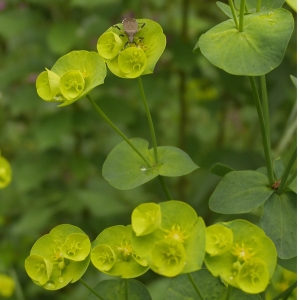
(257, 50)
(289, 264)
(266, 5)
(174, 162)
(124, 169)
(123, 289)
(279, 221)
(220, 169)
(202, 285)
(226, 9)
(240, 192)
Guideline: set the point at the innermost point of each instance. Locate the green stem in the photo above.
(288, 168)
(195, 286)
(234, 14)
(258, 5)
(264, 133)
(291, 178)
(149, 120)
(106, 119)
(265, 105)
(242, 10)
(90, 289)
(18, 288)
(153, 137)
(165, 188)
(287, 292)
(229, 289)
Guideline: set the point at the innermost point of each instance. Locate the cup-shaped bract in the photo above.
(5, 172)
(146, 218)
(177, 245)
(251, 258)
(112, 253)
(124, 58)
(109, 45)
(253, 277)
(7, 286)
(218, 239)
(71, 77)
(58, 258)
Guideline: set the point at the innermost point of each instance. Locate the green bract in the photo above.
(112, 253)
(72, 76)
(130, 60)
(5, 172)
(218, 239)
(146, 218)
(250, 261)
(60, 257)
(173, 245)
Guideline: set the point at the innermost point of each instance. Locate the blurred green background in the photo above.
(57, 153)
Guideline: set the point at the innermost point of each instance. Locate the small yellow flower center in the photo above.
(242, 252)
(176, 234)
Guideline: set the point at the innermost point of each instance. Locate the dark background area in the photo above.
(57, 153)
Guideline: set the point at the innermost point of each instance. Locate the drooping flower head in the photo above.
(71, 77)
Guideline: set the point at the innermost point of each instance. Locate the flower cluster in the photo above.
(72, 76)
(112, 253)
(58, 258)
(170, 236)
(132, 48)
(75, 74)
(245, 261)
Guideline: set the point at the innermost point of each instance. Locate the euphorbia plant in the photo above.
(169, 237)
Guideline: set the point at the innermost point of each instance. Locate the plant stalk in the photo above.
(229, 289)
(234, 14)
(264, 133)
(151, 126)
(90, 289)
(288, 168)
(258, 5)
(118, 131)
(242, 10)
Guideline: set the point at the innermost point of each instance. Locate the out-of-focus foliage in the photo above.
(57, 154)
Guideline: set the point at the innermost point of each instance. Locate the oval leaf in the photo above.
(279, 221)
(202, 285)
(240, 192)
(121, 290)
(257, 50)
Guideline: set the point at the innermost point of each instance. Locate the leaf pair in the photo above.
(255, 51)
(125, 169)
